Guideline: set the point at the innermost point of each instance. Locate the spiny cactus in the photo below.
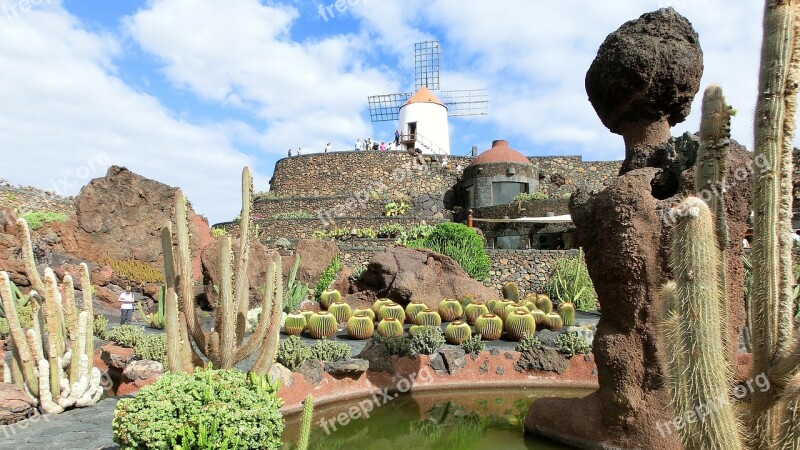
(328, 297)
(553, 321)
(341, 310)
(392, 309)
(188, 344)
(473, 311)
(514, 307)
(500, 308)
(412, 309)
(490, 304)
(390, 327)
(457, 332)
(567, 312)
(365, 311)
(429, 317)
(518, 324)
(295, 324)
(539, 316)
(322, 325)
(450, 309)
(376, 307)
(305, 426)
(544, 303)
(511, 292)
(489, 326)
(360, 326)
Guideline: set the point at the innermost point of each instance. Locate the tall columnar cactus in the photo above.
(225, 346)
(52, 360)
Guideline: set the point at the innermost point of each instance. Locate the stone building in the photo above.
(498, 175)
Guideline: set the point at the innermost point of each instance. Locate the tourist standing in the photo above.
(383, 147)
(328, 147)
(290, 153)
(299, 151)
(358, 144)
(126, 306)
(396, 137)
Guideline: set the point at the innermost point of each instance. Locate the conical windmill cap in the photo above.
(423, 95)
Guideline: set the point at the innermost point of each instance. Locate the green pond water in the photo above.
(463, 420)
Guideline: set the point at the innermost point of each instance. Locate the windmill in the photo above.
(421, 115)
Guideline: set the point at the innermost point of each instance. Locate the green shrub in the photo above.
(292, 353)
(126, 335)
(293, 215)
(528, 341)
(391, 231)
(474, 344)
(358, 273)
(25, 314)
(524, 196)
(100, 324)
(326, 350)
(217, 232)
(400, 346)
(572, 344)
(427, 340)
(208, 409)
(463, 245)
(152, 347)
(417, 233)
(37, 219)
(4, 328)
(571, 283)
(328, 275)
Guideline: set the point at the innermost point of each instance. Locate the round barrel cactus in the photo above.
(365, 311)
(553, 321)
(489, 326)
(519, 323)
(500, 308)
(341, 310)
(450, 309)
(322, 325)
(412, 309)
(328, 297)
(376, 307)
(514, 307)
(307, 313)
(511, 292)
(538, 316)
(429, 317)
(457, 332)
(390, 326)
(543, 302)
(490, 304)
(567, 312)
(295, 324)
(473, 311)
(360, 326)
(392, 310)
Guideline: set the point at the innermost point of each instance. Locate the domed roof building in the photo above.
(498, 175)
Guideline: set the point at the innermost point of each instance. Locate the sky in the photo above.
(188, 92)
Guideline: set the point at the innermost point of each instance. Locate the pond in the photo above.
(463, 420)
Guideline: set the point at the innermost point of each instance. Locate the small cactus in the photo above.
(322, 325)
(514, 307)
(511, 292)
(376, 307)
(392, 310)
(500, 308)
(429, 317)
(390, 327)
(544, 303)
(518, 324)
(467, 299)
(307, 313)
(553, 321)
(341, 310)
(365, 311)
(457, 332)
(360, 326)
(567, 312)
(473, 311)
(489, 326)
(412, 309)
(295, 324)
(490, 304)
(450, 309)
(328, 297)
(539, 317)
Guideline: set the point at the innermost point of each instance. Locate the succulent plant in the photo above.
(539, 317)
(307, 313)
(500, 308)
(322, 325)
(328, 297)
(376, 307)
(390, 326)
(473, 311)
(360, 326)
(341, 310)
(489, 326)
(530, 297)
(295, 324)
(392, 309)
(467, 299)
(457, 332)
(365, 311)
(544, 303)
(412, 309)
(567, 312)
(514, 307)
(429, 317)
(511, 291)
(519, 323)
(553, 321)
(450, 309)
(490, 304)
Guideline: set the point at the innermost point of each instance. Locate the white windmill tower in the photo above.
(422, 116)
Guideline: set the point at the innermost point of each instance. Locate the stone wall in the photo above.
(559, 175)
(528, 208)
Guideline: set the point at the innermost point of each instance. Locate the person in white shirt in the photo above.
(358, 144)
(126, 306)
(328, 147)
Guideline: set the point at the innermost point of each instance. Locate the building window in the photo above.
(470, 197)
(505, 191)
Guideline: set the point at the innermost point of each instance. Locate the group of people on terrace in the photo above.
(360, 145)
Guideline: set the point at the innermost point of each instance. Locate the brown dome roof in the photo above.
(423, 95)
(500, 153)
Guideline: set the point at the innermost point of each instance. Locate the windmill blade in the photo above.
(469, 102)
(385, 108)
(426, 65)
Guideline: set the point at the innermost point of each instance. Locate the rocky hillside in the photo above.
(24, 199)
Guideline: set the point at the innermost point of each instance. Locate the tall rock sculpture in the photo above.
(652, 66)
